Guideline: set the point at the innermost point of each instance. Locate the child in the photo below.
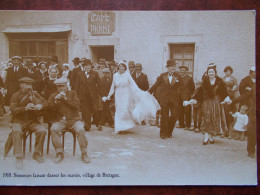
(241, 122)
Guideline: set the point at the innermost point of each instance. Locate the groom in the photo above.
(170, 83)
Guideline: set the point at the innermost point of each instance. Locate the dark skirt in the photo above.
(214, 120)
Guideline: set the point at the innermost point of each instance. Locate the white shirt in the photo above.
(170, 77)
(87, 75)
(16, 68)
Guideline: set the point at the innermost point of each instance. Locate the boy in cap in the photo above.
(89, 90)
(140, 78)
(65, 104)
(34, 74)
(169, 83)
(106, 84)
(73, 73)
(131, 66)
(26, 108)
(186, 92)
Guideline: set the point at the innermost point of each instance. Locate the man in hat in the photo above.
(54, 64)
(76, 71)
(112, 67)
(73, 73)
(246, 85)
(89, 90)
(106, 84)
(13, 74)
(34, 74)
(65, 104)
(188, 88)
(140, 78)
(26, 108)
(131, 66)
(169, 83)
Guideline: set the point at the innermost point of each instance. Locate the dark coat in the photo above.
(89, 89)
(12, 82)
(141, 81)
(37, 77)
(106, 84)
(18, 103)
(197, 95)
(188, 86)
(218, 89)
(66, 108)
(246, 82)
(49, 88)
(168, 92)
(74, 77)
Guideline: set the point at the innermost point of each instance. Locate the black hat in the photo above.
(76, 60)
(171, 63)
(182, 66)
(86, 62)
(131, 64)
(54, 59)
(138, 66)
(26, 80)
(16, 57)
(111, 63)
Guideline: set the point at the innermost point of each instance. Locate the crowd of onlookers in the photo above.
(210, 102)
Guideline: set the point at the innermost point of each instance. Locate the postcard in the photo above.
(110, 98)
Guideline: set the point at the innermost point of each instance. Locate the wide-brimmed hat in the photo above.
(170, 63)
(76, 60)
(138, 66)
(212, 65)
(131, 63)
(26, 80)
(85, 61)
(182, 66)
(16, 57)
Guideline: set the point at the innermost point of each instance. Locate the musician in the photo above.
(26, 107)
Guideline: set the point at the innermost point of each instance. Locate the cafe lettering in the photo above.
(101, 23)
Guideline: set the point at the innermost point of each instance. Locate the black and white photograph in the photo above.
(116, 98)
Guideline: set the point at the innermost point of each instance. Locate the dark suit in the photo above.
(37, 77)
(168, 99)
(74, 76)
(89, 90)
(246, 82)
(106, 115)
(141, 81)
(12, 82)
(185, 112)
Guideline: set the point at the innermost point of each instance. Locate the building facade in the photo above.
(194, 39)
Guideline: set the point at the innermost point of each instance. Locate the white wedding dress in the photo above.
(131, 103)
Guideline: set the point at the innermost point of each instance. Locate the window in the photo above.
(38, 46)
(183, 54)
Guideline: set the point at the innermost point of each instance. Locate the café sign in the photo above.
(101, 23)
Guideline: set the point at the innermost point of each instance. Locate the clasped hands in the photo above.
(60, 96)
(105, 98)
(192, 101)
(31, 106)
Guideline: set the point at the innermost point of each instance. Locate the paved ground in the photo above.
(138, 157)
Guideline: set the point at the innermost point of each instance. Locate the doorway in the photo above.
(102, 52)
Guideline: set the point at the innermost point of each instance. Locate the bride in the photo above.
(131, 103)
